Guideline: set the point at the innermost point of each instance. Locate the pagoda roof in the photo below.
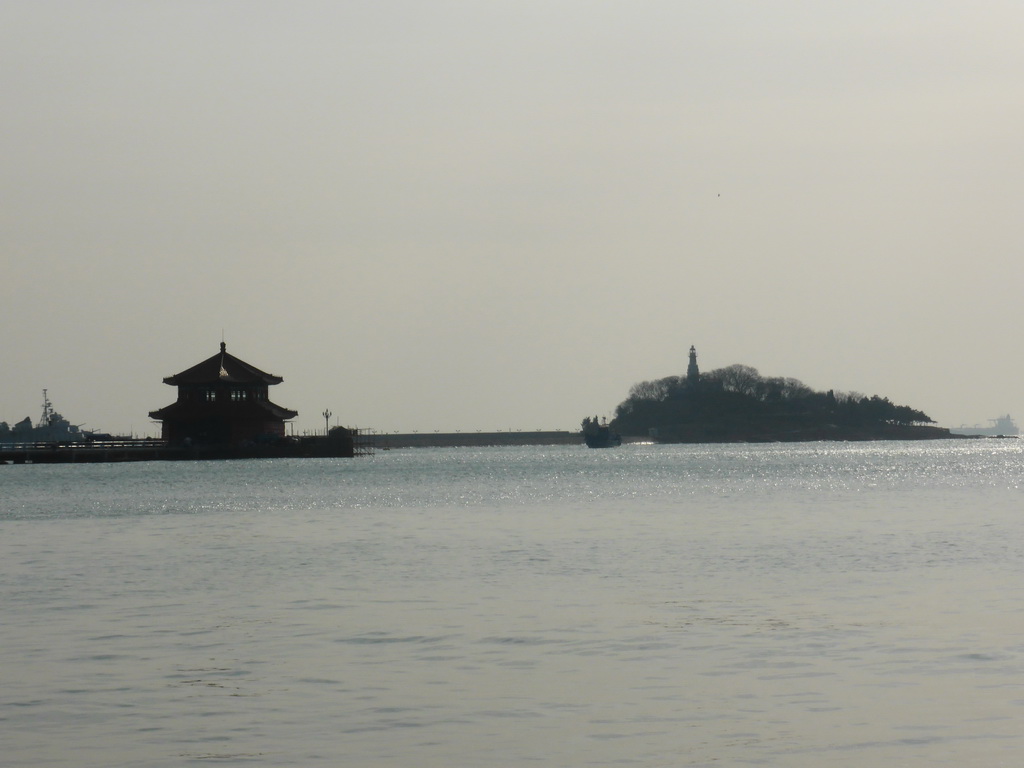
(246, 410)
(223, 368)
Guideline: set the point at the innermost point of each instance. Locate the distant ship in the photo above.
(51, 428)
(599, 434)
(1004, 426)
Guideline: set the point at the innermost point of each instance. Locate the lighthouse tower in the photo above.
(692, 371)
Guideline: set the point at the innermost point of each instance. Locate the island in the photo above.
(737, 404)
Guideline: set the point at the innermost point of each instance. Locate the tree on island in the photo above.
(737, 403)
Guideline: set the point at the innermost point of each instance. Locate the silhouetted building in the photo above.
(222, 401)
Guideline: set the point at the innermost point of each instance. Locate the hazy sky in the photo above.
(494, 215)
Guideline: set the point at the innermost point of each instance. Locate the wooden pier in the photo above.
(93, 451)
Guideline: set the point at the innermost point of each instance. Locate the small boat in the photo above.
(599, 434)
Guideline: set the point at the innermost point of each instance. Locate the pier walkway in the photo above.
(92, 451)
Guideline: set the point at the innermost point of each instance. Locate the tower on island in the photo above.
(222, 401)
(692, 371)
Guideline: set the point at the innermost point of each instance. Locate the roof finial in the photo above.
(223, 372)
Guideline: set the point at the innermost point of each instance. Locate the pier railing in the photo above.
(83, 444)
(82, 450)
(361, 444)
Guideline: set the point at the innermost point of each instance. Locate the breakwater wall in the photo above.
(383, 440)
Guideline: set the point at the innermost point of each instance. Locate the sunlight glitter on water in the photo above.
(771, 605)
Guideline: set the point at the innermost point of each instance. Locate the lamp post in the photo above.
(327, 422)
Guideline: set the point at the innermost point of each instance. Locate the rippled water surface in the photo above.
(796, 605)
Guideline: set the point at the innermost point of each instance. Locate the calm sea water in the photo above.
(771, 605)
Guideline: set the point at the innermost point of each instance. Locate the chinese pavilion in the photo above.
(222, 401)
